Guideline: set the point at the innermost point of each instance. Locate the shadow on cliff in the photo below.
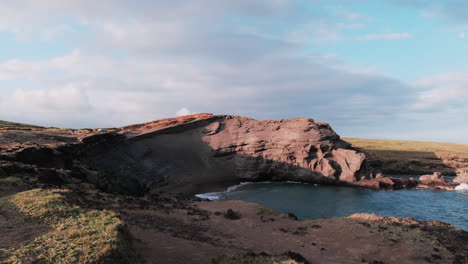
(408, 162)
(182, 159)
(176, 162)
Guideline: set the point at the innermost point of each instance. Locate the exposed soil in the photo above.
(173, 228)
(14, 229)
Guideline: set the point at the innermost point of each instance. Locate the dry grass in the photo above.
(5, 125)
(408, 146)
(78, 236)
(413, 157)
(246, 259)
(12, 125)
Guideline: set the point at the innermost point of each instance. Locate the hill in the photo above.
(412, 157)
(20, 126)
(51, 212)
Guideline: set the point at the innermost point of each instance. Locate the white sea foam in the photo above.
(209, 196)
(462, 187)
(217, 195)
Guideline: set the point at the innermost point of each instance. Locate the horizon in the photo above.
(386, 69)
(341, 136)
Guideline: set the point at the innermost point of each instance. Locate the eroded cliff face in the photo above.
(292, 149)
(462, 176)
(197, 153)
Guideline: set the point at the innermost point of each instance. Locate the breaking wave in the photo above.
(217, 195)
(462, 187)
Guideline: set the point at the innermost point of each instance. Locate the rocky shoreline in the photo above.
(148, 173)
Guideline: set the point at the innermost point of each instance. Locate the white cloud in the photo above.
(183, 112)
(140, 62)
(386, 36)
(119, 91)
(443, 91)
(462, 35)
(69, 98)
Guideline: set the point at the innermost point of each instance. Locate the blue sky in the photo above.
(395, 69)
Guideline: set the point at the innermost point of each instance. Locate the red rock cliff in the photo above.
(195, 153)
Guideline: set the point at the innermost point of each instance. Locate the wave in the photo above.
(217, 195)
(462, 187)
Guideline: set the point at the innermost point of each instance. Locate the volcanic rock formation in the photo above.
(196, 153)
(462, 176)
(436, 177)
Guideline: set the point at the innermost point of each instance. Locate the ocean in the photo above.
(309, 201)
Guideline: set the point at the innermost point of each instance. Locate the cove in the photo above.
(308, 201)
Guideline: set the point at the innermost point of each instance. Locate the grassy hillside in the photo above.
(412, 157)
(12, 125)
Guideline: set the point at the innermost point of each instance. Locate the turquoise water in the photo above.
(309, 201)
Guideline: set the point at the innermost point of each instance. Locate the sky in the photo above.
(389, 69)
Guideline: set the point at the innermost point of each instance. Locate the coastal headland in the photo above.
(126, 195)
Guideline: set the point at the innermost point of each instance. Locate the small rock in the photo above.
(231, 214)
(293, 216)
(296, 256)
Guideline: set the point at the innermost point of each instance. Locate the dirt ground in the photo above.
(175, 230)
(201, 233)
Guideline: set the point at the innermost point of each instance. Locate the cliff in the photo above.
(50, 212)
(196, 153)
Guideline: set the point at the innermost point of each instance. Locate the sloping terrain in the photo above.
(412, 157)
(70, 233)
(51, 213)
(17, 126)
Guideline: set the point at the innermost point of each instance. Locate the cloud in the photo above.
(443, 91)
(452, 11)
(386, 36)
(462, 35)
(136, 62)
(183, 112)
(202, 62)
(129, 88)
(70, 98)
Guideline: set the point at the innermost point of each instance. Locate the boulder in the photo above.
(435, 181)
(435, 178)
(462, 176)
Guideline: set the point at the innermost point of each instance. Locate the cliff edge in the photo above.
(196, 153)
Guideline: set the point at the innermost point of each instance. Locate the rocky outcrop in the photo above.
(388, 183)
(435, 181)
(462, 176)
(196, 153)
(436, 177)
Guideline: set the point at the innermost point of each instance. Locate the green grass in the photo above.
(77, 236)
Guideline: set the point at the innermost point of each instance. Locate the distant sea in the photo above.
(309, 201)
